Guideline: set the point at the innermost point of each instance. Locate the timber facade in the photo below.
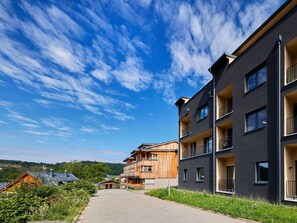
(151, 166)
(238, 134)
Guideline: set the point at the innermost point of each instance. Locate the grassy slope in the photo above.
(233, 206)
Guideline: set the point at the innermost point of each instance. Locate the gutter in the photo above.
(279, 162)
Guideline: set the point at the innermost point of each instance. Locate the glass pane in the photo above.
(261, 118)
(262, 75)
(201, 173)
(263, 171)
(205, 111)
(251, 82)
(251, 122)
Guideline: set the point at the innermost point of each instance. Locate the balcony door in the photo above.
(230, 177)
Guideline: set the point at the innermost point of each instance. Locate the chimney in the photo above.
(66, 173)
(51, 173)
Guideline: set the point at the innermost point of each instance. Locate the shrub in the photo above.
(88, 187)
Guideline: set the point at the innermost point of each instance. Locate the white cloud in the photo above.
(88, 129)
(109, 128)
(15, 116)
(131, 75)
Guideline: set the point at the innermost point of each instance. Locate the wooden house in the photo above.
(151, 166)
(49, 178)
(108, 184)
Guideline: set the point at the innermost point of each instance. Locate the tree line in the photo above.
(90, 171)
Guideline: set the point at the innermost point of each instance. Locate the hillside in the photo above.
(10, 169)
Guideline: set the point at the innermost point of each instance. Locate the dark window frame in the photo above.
(185, 175)
(255, 74)
(199, 177)
(202, 111)
(193, 149)
(206, 142)
(256, 124)
(259, 179)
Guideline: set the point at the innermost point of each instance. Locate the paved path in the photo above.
(121, 206)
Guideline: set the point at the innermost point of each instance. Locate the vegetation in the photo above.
(45, 203)
(86, 170)
(233, 206)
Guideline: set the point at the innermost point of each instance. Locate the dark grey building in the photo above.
(238, 133)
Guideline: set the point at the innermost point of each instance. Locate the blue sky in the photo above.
(92, 80)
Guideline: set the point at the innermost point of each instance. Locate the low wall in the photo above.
(161, 183)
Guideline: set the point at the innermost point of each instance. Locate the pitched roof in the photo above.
(3, 184)
(54, 178)
(48, 178)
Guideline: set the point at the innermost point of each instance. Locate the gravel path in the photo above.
(121, 206)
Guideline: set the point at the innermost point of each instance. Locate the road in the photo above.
(121, 206)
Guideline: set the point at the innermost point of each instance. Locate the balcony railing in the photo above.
(187, 153)
(291, 73)
(185, 131)
(225, 109)
(225, 142)
(226, 185)
(291, 189)
(291, 125)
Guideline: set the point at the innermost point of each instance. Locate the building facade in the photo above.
(237, 135)
(151, 166)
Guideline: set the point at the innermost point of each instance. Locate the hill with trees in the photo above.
(91, 171)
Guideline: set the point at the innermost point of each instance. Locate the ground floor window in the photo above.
(262, 172)
(185, 176)
(200, 174)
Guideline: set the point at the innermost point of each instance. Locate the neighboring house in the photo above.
(49, 178)
(238, 133)
(108, 184)
(151, 166)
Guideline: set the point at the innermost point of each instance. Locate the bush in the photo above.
(88, 187)
(33, 203)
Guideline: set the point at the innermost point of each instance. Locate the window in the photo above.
(202, 112)
(262, 172)
(147, 168)
(208, 145)
(256, 78)
(256, 120)
(154, 156)
(200, 174)
(185, 176)
(193, 149)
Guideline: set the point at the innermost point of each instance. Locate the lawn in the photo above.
(233, 206)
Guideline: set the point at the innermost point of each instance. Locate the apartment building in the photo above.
(237, 135)
(151, 166)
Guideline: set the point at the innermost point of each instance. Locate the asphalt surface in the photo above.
(121, 206)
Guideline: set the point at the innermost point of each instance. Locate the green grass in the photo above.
(233, 206)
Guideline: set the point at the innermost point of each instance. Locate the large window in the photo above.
(256, 78)
(200, 174)
(202, 112)
(208, 145)
(193, 149)
(256, 120)
(185, 176)
(262, 172)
